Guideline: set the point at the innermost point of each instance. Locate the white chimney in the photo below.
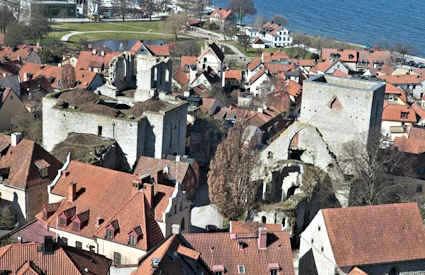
(102, 53)
(178, 158)
(94, 52)
(175, 229)
(15, 138)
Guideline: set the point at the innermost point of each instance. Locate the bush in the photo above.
(7, 217)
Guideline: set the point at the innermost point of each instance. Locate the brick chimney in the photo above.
(149, 193)
(72, 191)
(262, 238)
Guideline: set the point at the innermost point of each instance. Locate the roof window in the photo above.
(241, 269)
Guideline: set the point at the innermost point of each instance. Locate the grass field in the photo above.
(292, 52)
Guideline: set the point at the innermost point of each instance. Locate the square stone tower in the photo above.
(153, 76)
(343, 109)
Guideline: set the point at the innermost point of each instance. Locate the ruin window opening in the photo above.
(263, 219)
(291, 191)
(99, 130)
(295, 154)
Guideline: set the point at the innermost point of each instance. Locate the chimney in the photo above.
(149, 193)
(178, 158)
(262, 238)
(94, 51)
(175, 229)
(15, 138)
(72, 191)
(102, 53)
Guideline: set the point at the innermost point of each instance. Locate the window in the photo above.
(241, 269)
(78, 244)
(91, 248)
(76, 226)
(64, 240)
(44, 172)
(109, 234)
(62, 221)
(273, 272)
(133, 240)
(99, 131)
(182, 226)
(419, 188)
(218, 273)
(404, 114)
(117, 258)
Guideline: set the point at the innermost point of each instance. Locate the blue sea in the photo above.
(357, 21)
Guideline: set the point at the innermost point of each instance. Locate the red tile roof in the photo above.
(397, 112)
(136, 47)
(224, 249)
(414, 143)
(340, 73)
(51, 73)
(275, 68)
(394, 233)
(357, 271)
(254, 63)
(181, 78)
(306, 62)
(233, 74)
(391, 89)
(346, 55)
(21, 159)
(87, 59)
(257, 75)
(322, 66)
(21, 257)
(293, 88)
(19, 54)
(281, 101)
(223, 14)
(402, 79)
(187, 61)
(237, 227)
(274, 56)
(173, 245)
(372, 57)
(85, 78)
(418, 110)
(159, 50)
(129, 208)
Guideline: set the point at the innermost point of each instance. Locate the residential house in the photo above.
(120, 217)
(188, 63)
(391, 243)
(246, 249)
(51, 258)
(396, 120)
(370, 58)
(52, 74)
(25, 169)
(413, 84)
(180, 80)
(221, 16)
(413, 143)
(207, 79)
(20, 54)
(254, 66)
(173, 256)
(329, 67)
(10, 106)
(88, 80)
(95, 61)
(257, 81)
(232, 79)
(275, 35)
(394, 95)
(165, 171)
(212, 56)
(347, 56)
(153, 50)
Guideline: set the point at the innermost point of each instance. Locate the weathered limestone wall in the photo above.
(359, 112)
(58, 123)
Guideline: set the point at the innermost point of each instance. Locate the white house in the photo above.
(272, 34)
(257, 81)
(379, 239)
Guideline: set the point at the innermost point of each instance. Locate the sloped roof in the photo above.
(187, 61)
(397, 112)
(357, 271)
(151, 166)
(346, 55)
(238, 227)
(159, 50)
(257, 75)
(374, 56)
(21, 160)
(274, 56)
(22, 257)
(2, 35)
(52, 73)
(254, 63)
(402, 79)
(391, 89)
(293, 88)
(233, 74)
(173, 245)
(394, 233)
(322, 66)
(221, 249)
(181, 78)
(414, 143)
(100, 197)
(87, 59)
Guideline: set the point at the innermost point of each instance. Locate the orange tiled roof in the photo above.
(254, 63)
(233, 74)
(346, 55)
(20, 53)
(237, 227)
(25, 258)
(391, 89)
(274, 56)
(394, 233)
(173, 245)
(136, 47)
(257, 75)
(52, 73)
(275, 68)
(85, 77)
(414, 143)
(87, 59)
(187, 61)
(159, 50)
(357, 271)
(181, 78)
(222, 249)
(322, 66)
(402, 79)
(340, 73)
(128, 209)
(397, 112)
(374, 56)
(23, 173)
(293, 88)
(223, 14)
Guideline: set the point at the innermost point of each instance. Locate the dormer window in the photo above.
(109, 234)
(76, 226)
(273, 268)
(132, 240)
(112, 229)
(404, 115)
(241, 269)
(43, 167)
(62, 221)
(135, 235)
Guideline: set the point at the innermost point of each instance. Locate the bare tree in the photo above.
(279, 19)
(6, 18)
(242, 8)
(39, 23)
(368, 172)
(124, 9)
(258, 22)
(175, 23)
(68, 79)
(404, 48)
(245, 41)
(230, 186)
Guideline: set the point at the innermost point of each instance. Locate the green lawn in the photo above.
(292, 52)
(119, 36)
(154, 26)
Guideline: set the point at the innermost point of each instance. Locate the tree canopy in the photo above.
(242, 8)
